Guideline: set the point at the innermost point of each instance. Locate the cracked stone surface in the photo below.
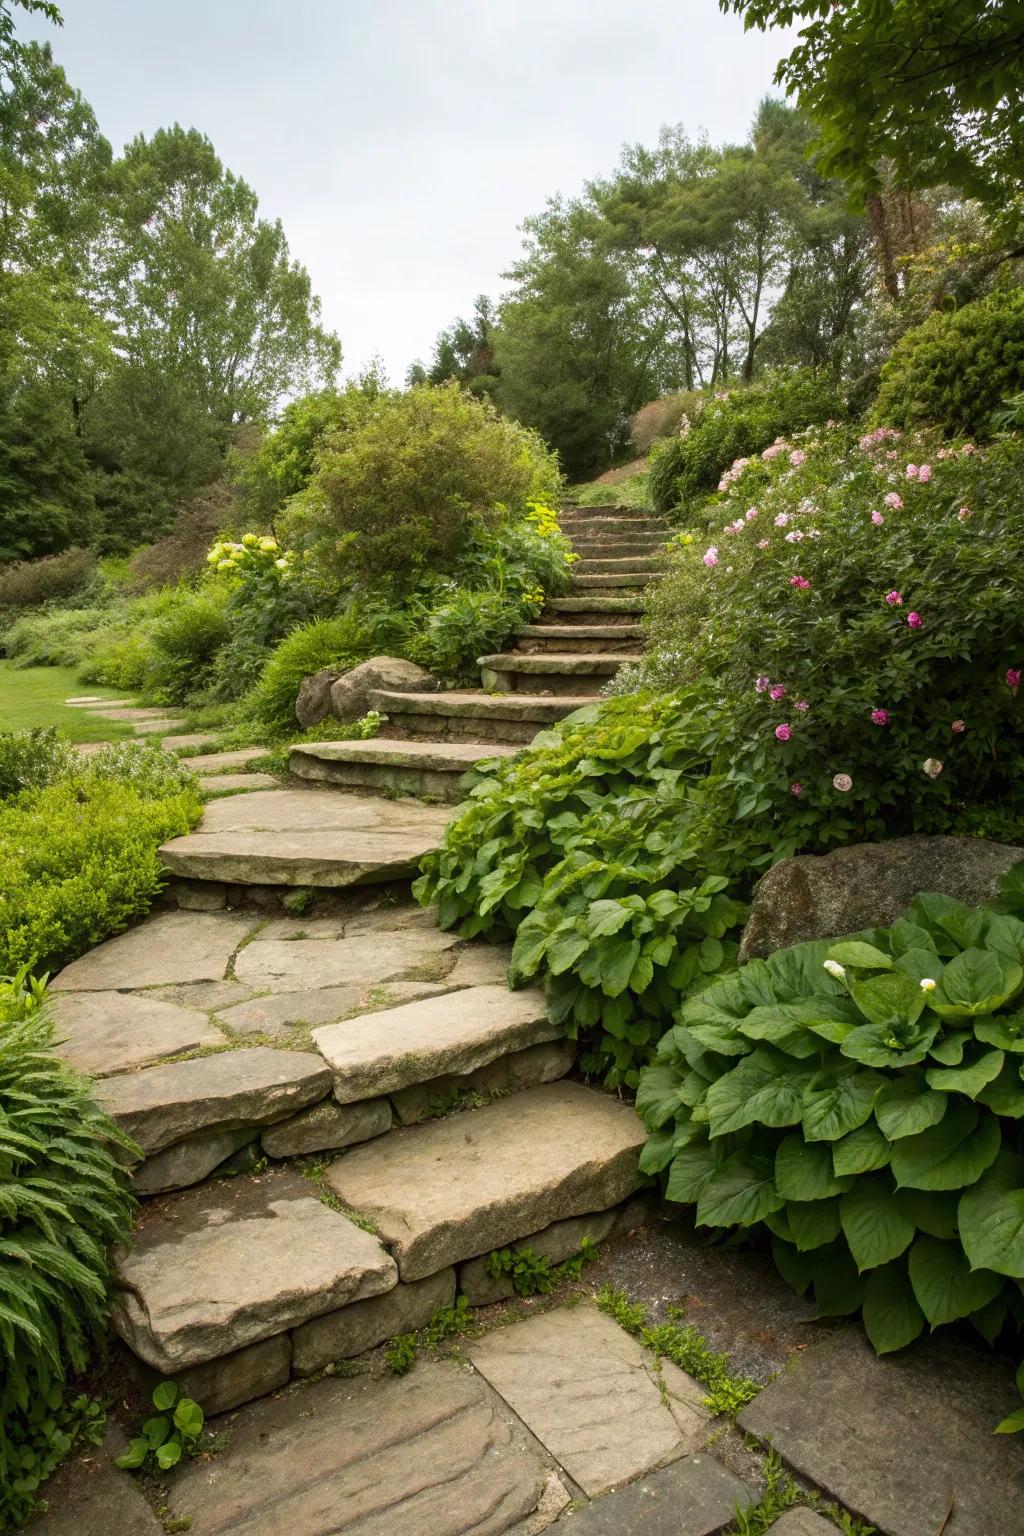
(237, 1261)
(302, 965)
(591, 1395)
(428, 1454)
(693, 1497)
(171, 947)
(104, 1032)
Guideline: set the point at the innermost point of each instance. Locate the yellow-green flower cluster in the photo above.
(253, 551)
(544, 519)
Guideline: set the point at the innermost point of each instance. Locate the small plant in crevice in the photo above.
(446, 1323)
(681, 1344)
(782, 1493)
(172, 1432)
(532, 1274)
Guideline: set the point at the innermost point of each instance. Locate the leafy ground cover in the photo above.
(33, 697)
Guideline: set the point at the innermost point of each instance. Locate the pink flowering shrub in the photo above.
(914, 624)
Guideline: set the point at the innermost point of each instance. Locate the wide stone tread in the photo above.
(224, 762)
(252, 1086)
(697, 1496)
(217, 1268)
(428, 1454)
(457, 1032)
(451, 1189)
(595, 604)
(173, 947)
(105, 1032)
(601, 565)
(532, 708)
(454, 757)
(306, 837)
(623, 579)
(596, 663)
(580, 632)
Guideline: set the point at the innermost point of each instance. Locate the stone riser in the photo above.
(596, 609)
(455, 728)
(618, 584)
(563, 644)
(556, 683)
(384, 778)
(614, 544)
(639, 565)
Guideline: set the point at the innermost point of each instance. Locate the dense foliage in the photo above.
(863, 1101)
(955, 369)
(79, 840)
(63, 1200)
(733, 424)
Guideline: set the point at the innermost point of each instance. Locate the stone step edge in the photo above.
(580, 631)
(465, 705)
(578, 664)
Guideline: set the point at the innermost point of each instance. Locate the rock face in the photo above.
(237, 1262)
(582, 1156)
(326, 1126)
(426, 1454)
(867, 885)
(314, 701)
(347, 1332)
(350, 694)
(188, 1161)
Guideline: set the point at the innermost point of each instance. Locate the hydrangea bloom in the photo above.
(782, 520)
(880, 717)
(924, 473)
(914, 620)
(783, 732)
(911, 471)
(877, 519)
(794, 536)
(751, 513)
(711, 557)
(802, 705)
(842, 782)
(797, 457)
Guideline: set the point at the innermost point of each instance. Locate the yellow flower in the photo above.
(268, 545)
(250, 540)
(225, 565)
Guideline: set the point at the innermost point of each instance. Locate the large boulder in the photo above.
(350, 694)
(867, 885)
(314, 701)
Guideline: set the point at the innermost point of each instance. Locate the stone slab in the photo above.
(865, 885)
(480, 965)
(553, 1501)
(527, 1068)
(590, 1393)
(232, 783)
(191, 741)
(693, 1497)
(208, 995)
(351, 1330)
(105, 1032)
(560, 1241)
(326, 859)
(171, 947)
(279, 1012)
(89, 1496)
(156, 727)
(254, 1086)
(895, 1437)
(216, 1269)
(458, 1032)
(188, 1161)
(114, 711)
(470, 705)
(426, 1454)
(222, 1384)
(533, 1158)
(327, 1126)
(802, 1522)
(224, 762)
(454, 757)
(301, 965)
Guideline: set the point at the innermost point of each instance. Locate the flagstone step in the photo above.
(607, 509)
(475, 715)
(391, 766)
(617, 581)
(593, 526)
(566, 639)
(451, 1189)
(551, 673)
(157, 727)
(622, 545)
(307, 837)
(598, 608)
(224, 762)
(192, 741)
(606, 565)
(234, 783)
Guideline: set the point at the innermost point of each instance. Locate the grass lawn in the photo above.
(32, 696)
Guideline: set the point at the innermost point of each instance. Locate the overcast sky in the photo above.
(402, 142)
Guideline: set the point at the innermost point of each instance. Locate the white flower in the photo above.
(932, 767)
(281, 564)
(927, 984)
(842, 782)
(834, 969)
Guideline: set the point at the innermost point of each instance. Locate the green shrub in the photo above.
(184, 646)
(464, 626)
(339, 642)
(152, 773)
(402, 493)
(30, 759)
(117, 658)
(63, 1201)
(863, 1101)
(735, 425)
(54, 637)
(30, 583)
(79, 861)
(954, 370)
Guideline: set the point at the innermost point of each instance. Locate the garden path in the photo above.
(297, 1024)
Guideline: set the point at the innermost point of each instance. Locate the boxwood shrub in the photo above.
(862, 1101)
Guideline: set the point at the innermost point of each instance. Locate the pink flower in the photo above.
(843, 783)
(964, 514)
(924, 473)
(892, 500)
(800, 582)
(762, 684)
(794, 536)
(782, 520)
(797, 457)
(802, 705)
(1013, 677)
(711, 557)
(764, 544)
(796, 789)
(914, 620)
(877, 519)
(783, 732)
(958, 727)
(911, 471)
(880, 717)
(932, 767)
(778, 692)
(751, 513)
(894, 598)
(968, 448)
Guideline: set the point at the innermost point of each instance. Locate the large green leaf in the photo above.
(969, 1079)
(949, 1155)
(657, 1097)
(949, 1048)
(794, 1266)
(892, 1316)
(691, 1168)
(784, 1025)
(862, 1151)
(931, 1210)
(839, 1103)
(991, 1216)
(978, 981)
(1005, 1094)
(856, 953)
(803, 1170)
(892, 1045)
(838, 1285)
(1005, 935)
(876, 1227)
(564, 950)
(951, 925)
(739, 1193)
(766, 1087)
(797, 973)
(1006, 1031)
(813, 1223)
(906, 1106)
(945, 1285)
(889, 998)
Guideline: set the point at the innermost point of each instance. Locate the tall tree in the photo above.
(464, 351)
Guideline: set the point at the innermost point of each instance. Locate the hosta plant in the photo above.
(168, 1434)
(862, 1101)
